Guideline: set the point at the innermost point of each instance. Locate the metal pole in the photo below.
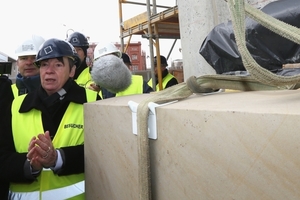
(172, 47)
(121, 28)
(144, 4)
(151, 46)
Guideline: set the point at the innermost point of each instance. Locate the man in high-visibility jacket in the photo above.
(137, 86)
(42, 146)
(168, 79)
(28, 78)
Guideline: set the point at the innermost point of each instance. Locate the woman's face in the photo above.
(55, 73)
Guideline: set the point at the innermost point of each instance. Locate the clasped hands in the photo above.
(41, 153)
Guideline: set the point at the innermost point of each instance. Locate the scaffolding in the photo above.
(151, 25)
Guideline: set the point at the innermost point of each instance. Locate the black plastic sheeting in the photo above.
(267, 48)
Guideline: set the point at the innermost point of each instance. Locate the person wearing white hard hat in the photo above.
(28, 78)
(137, 85)
(100, 51)
(109, 48)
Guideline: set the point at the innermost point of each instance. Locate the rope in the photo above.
(237, 10)
(178, 92)
(260, 79)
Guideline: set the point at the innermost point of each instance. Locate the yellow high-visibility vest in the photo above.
(136, 86)
(15, 90)
(70, 133)
(84, 77)
(165, 81)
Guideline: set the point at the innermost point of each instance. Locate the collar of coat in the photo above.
(75, 93)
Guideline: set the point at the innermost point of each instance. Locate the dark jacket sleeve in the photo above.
(73, 158)
(11, 163)
(6, 97)
(4, 188)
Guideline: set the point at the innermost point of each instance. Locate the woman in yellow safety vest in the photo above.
(42, 148)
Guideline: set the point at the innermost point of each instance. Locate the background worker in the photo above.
(137, 86)
(100, 51)
(168, 79)
(109, 49)
(42, 146)
(82, 74)
(28, 78)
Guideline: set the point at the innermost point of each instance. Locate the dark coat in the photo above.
(6, 98)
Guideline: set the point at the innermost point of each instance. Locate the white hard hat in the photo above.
(109, 48)
(30, 46)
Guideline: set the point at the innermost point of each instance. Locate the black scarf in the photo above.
(56, 98)
(27, 84)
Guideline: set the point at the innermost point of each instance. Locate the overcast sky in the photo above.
(97, 19)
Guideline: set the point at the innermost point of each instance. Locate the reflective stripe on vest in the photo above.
(65, 192)
(100, 94)
(84, 78)
(136, 86)
(165, 81)
(57, 194)
(23, 195)
(70, 132)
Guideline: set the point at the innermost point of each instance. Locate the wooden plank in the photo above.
(141, 18)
